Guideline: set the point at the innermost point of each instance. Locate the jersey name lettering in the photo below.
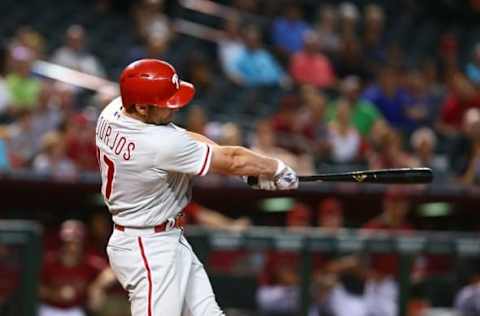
(118, 143)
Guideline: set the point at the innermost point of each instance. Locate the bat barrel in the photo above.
(386, 176)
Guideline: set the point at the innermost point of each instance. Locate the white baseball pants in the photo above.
(161, 273)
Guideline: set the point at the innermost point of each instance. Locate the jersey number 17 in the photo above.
(110, 172)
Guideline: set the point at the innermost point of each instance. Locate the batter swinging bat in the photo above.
(387, 176)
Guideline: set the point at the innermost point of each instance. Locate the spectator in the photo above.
(265, 143)
(198, 122)
(230, 48)
(4, 92)
(256, 65)
(67, 273)
(395, 209)
(27, 37)
(4, 158)
(195, 213)
(423, 104)
(73, 54)
(299, 216)
(150, 18)
(46, 117)
(279, 293)
(157, 45)
(201, 73)
(373, 35)
(382, 289)
(339, 288)
(386, 149)
(22, 86)
(363, 113)
(390, 99)
(80, 143)
(473, 67)
(349, 17)
(292, 130)
(467, 300)
(461, 97)
(465, 153)
(52, 160)
(289, 30)
(326, 28)
(330, 215)
(310, 66)
(231, 135)
(343, 138)
(350, 60)
(423, 142)
(309, 123)
(22, 143)
(448, 55)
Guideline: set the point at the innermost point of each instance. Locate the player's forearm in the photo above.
(240, 161)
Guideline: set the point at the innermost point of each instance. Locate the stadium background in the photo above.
(324, 85)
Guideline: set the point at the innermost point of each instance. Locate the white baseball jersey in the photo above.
(146, 169)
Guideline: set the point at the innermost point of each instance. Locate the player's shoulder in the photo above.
(114, 106)
(168, 132)
(167, 138)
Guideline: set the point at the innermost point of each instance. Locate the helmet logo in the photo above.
(175, 81)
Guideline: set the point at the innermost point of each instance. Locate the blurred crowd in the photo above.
(333, 91)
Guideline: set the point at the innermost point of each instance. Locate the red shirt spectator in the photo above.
(309, 66)
(461, 98)
(71, 282)
(66, 273)
(80, 143)
(392, 219)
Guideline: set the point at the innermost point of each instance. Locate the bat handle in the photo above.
(251, 180)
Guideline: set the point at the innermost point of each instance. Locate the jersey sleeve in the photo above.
(180, 153)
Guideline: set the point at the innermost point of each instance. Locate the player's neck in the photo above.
(134, 115)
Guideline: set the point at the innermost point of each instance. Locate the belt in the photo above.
(169, 224)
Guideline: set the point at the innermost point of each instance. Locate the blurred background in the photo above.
(324, 85)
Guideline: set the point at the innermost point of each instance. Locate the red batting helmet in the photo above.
(154, 82)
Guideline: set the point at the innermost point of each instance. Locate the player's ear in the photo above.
(141, 109)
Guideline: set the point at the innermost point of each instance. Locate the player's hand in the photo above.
(285, 178)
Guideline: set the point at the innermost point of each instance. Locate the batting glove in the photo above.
(285, 177)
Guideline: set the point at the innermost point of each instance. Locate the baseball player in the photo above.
(147, 164)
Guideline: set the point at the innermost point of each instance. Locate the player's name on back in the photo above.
(119, 144)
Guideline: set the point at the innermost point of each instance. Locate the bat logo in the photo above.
(359, 177)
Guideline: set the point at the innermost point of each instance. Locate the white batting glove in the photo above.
(285, 177)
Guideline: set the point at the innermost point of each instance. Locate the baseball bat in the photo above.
(385, 176)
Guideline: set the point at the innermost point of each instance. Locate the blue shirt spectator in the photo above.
(258, 67)
(391, 99)
(393, 107)
(255, 65)
(473, 67)
(288, 31)
(473, 73)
